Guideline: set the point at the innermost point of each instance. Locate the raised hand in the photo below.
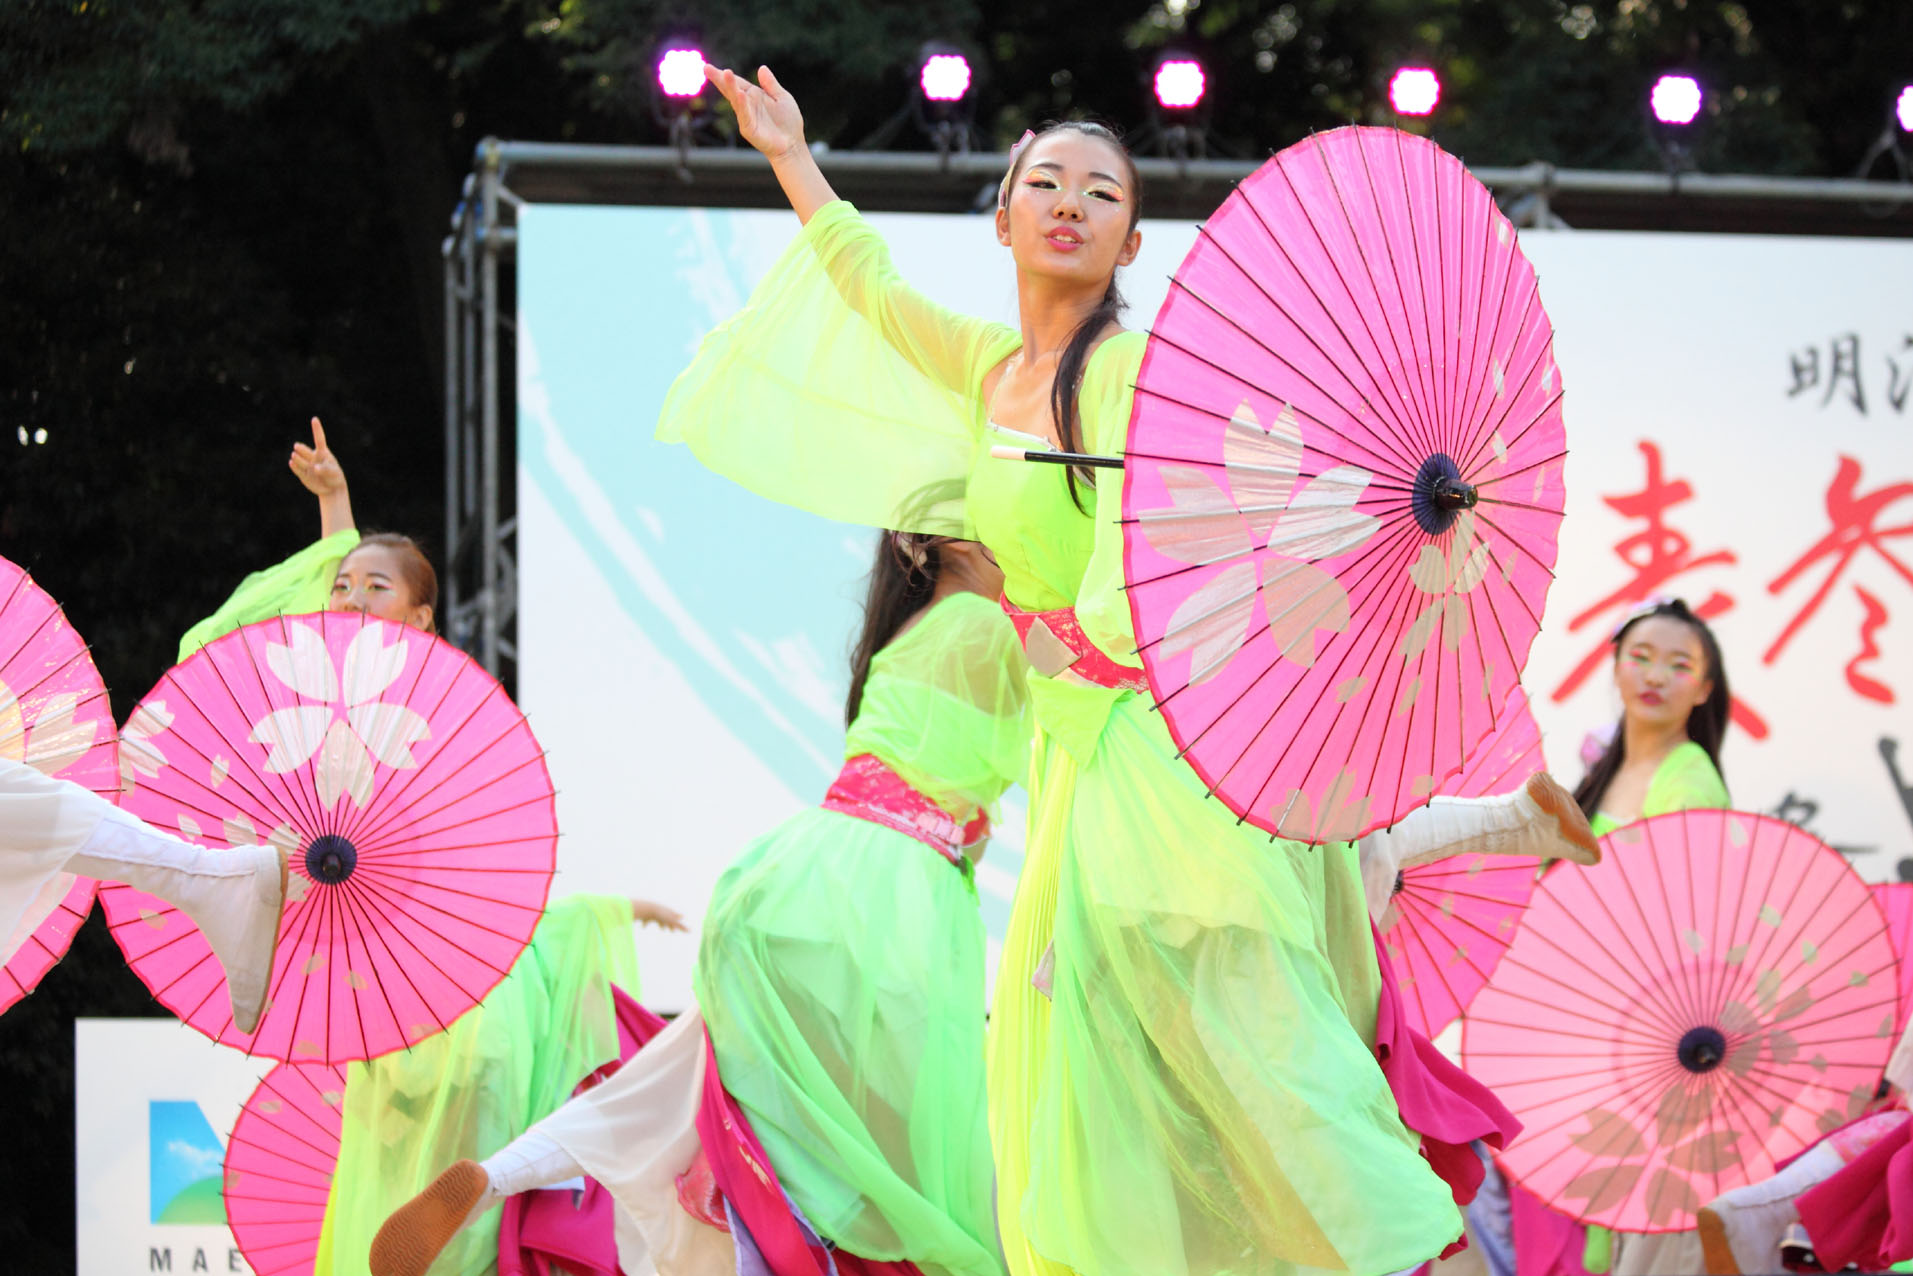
(648, 912)
(315, 466)
(324, 477)
(767, 114)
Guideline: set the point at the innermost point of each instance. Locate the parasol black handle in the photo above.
(1453, 494)
(1089, 459)
(1701, 1049)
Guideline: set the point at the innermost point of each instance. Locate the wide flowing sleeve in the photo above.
(296, 587)
(1686, 780)
(1107, 396)
(841, 390)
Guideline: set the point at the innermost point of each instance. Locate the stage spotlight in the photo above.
(1179, 112)
(1903, 109)
(944, 77)
(1414, 91)
(1180, 83)
(1675, 99)
(679, 102)
(944, 100)
(681, 72)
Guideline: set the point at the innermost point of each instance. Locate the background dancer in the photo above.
(840, 979)
(1664, 756)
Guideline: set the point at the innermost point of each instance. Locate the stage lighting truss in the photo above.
(1673, 108)
(682, 100)
(943, 97)
(1179, 104)
(1892, 141)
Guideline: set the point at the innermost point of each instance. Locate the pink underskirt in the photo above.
(1444, 1105)
(1545, 1243)
(741, 1170)
(547, 1232)
(1864, 1213)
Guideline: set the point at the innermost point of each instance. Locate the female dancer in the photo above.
(840, 980)
(384, 574)
(548, 1025)
(1665, 756)
(1184, 1059)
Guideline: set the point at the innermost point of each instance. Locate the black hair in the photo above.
(902, 581)
(1706, 722)
(1076, 351)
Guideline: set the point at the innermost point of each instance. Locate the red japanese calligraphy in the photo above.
(1656, 554)
(1860, 521)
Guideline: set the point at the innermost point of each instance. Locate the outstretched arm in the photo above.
(323, 476)
(768, 117)
(954, 350)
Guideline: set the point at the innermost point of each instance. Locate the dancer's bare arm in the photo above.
(768, 117)
(324, 477)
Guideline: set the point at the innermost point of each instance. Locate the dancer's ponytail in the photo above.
(902, 581)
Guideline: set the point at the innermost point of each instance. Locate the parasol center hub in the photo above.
(1438, 494)
(330, 859)
(1701, 1049)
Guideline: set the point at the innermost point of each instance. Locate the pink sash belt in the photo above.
(868, 789)
(1055, 642)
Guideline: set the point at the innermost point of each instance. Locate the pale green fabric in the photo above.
(296, 587)
(1202, 1095)
(468, 1091)
(841, 969)
(1686, 780)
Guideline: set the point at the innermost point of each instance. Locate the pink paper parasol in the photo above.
(1343, 483)
(279, 1163)
(55, 717)
(1896, 901)
(412, 800)
(1452, 919)
(1712, 998)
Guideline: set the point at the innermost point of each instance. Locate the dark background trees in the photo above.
(219, 217)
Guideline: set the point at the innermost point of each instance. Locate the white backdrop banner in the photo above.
(153, 1102)
(1740, 417)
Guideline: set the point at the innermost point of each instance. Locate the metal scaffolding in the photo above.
(479, 587)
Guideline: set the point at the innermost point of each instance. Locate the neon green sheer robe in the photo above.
(468, 1091)
(841, 968)
(1686, 780)
(1201, 1096)
(471, 1089)
(299, 585)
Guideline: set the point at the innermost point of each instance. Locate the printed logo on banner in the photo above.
(153, 1205)
(183, 1184)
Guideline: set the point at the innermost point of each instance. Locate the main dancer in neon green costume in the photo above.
(1182, 1055)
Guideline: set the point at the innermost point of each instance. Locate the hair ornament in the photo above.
(1003, 188)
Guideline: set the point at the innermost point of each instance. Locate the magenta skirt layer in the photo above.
(1864, 1213)
(547, 1233)
(1545, 1243)
(1440, 1102)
